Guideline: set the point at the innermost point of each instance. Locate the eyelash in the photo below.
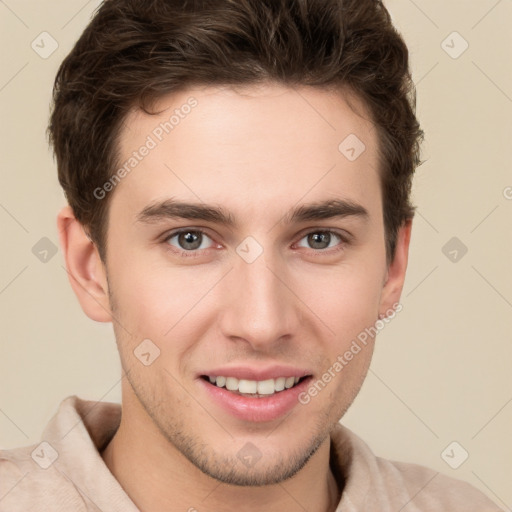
(344, 240)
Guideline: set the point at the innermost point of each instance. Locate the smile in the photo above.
(253, 388)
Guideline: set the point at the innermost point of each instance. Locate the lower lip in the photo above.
(256, 409)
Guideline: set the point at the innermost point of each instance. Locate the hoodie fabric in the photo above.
(65, 472)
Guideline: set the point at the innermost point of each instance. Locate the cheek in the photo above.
(156, 302)
(348, 305)
(346, 299)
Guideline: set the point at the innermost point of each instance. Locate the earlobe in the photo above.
(85, 269)
(392, 289)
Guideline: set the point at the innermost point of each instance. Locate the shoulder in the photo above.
(28, 481)
(375, 483)
(431, 490)
(53, 474)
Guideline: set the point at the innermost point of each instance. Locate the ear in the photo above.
(395, 277)
(85, 269)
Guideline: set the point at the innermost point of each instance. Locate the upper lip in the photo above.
(253, 373)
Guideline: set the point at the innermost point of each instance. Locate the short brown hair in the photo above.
(135, 51)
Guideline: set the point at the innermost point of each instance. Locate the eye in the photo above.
(321, 240)
(189, 240)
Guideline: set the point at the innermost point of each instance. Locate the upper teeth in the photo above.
(261, 387)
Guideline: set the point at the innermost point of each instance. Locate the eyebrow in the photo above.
(173, 209)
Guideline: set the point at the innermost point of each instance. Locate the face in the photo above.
(262, 278)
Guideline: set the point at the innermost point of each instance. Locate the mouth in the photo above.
(255, 394)
(255, 388)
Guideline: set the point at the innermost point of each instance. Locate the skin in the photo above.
(258, 152)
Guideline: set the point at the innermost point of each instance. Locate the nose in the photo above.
(260, 308)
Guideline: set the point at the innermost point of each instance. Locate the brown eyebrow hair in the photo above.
(171, 208)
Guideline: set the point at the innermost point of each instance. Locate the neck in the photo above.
(157, 477)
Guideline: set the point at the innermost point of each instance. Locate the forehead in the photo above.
(253, 144)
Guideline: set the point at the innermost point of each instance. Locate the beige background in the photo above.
(441, 371)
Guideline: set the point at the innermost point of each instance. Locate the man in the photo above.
(238, 178)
